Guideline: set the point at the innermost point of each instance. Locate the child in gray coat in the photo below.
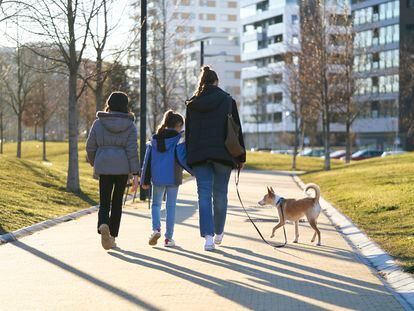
(112, 150)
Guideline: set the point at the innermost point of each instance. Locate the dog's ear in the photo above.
(271, 190)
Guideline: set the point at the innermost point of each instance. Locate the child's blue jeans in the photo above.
(157, 196)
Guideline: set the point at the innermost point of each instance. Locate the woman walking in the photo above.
(206, 130)
(113, 152)
(165, 159)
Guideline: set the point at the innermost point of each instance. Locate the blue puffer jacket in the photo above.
(165, 159)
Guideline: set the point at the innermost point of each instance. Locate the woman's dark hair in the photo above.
(207, 77)
(117, 102)
(170, 120)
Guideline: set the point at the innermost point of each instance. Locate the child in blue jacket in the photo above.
(165, 159)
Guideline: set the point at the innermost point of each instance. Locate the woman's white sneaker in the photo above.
(154, 237)
(218, 238)
(209, 246)
(169, 243)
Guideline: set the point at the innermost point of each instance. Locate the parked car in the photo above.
(337, 154)
(391, 153)
(312, 153)
(364, 154)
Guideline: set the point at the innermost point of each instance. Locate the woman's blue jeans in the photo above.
(212, 187)
(157, 196)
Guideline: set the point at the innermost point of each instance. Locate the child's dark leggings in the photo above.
(111, 190)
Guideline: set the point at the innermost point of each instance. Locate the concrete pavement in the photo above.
(65, 268)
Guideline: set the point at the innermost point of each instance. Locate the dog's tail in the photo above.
(316, 189)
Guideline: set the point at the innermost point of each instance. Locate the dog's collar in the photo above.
(279, 201)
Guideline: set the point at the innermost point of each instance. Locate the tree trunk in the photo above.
(44, 141)
(19, 135)
(1, 133)
(72, 183)
(348, 142)
(164, 60)
(302, 135)
(35, 132)
(296, 144)
(99, 83)
(326, 134)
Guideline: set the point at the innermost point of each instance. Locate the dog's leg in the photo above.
(280, 224)
(296, 231)
(312, 222)
(313, 238)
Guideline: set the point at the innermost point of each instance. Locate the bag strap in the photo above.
(237, 180)
(230, 108)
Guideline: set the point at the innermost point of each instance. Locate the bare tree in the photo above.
(42, 103)
(66, 25)
(18, 80)
(317, 73)
(166, 61)
(292, 88)
(345, 80)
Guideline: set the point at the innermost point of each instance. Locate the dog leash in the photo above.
(237, 180)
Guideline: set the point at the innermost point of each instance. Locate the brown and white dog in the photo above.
(293, 210)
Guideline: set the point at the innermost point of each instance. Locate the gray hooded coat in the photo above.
(112, 144)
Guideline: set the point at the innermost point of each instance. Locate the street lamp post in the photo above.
(201, 53)
(143, 89)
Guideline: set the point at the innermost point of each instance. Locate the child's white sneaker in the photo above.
(209, 246)
(156, 234)
(218, 238)
(169, 243)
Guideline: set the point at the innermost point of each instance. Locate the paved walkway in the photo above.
(64, 267)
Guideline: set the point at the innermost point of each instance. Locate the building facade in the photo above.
(216, 23)
(269, 31)
(383, 44)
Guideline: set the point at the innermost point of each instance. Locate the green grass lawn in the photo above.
(378, 195)
(282, 162)
(32, 191)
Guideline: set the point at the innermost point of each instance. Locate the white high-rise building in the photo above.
(269, 31)
(216, 23)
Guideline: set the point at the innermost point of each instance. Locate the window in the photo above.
(277, 117)
(262, 6)
(211, 17)
(232, 4)
(295, 20)
(208, 3)
(409, 27)
(374, 109)
(263, 25)
(410, 4)
(295, 39)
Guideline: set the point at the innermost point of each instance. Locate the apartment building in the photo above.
(216, 24)
(384, 51)
(269, 31)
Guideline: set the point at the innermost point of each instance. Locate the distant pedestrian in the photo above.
(206, 132)
(112, 150)
(165, 159)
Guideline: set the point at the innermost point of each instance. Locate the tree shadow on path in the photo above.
(87, 277)
(296, 289)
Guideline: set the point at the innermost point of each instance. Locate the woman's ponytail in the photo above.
(207, 77)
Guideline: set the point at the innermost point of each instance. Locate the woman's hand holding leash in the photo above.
(146, 187)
